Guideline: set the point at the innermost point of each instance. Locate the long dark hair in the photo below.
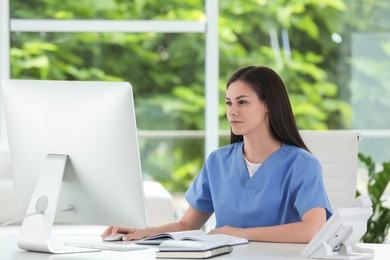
(270, 89)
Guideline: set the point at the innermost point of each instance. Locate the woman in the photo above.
(265, 185)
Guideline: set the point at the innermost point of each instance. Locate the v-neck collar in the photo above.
(246, 180)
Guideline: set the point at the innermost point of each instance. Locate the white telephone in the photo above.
(338, 237)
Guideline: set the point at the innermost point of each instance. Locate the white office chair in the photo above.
(337, 152)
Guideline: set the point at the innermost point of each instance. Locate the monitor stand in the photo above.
(35, 233)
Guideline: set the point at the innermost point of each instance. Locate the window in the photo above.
(333, 56)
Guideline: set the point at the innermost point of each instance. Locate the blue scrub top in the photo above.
(286, 185)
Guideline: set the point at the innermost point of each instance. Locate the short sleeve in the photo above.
(309, 188)
(198, 194)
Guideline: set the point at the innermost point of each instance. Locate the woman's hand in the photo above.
(297, 232)
(192, 219)
(131, 233)
(228, 230)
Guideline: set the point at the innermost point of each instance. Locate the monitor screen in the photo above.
(92, 124)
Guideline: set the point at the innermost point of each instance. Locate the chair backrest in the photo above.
(337, 152)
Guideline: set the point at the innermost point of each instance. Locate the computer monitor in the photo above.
(74, 147)
(337, 239)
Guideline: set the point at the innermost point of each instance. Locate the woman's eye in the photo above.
(228, 103)
(242, 102)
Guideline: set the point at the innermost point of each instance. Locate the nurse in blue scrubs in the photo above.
(265, 185)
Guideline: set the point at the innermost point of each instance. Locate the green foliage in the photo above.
(378, 225)
(247, 27)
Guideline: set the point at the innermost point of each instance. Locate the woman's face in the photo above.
(245, 111)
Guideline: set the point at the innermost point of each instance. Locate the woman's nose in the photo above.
(233, 111)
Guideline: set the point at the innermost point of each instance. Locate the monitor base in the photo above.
(36, 231)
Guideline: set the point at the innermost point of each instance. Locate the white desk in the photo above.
(254, 250)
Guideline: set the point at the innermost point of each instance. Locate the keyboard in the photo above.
(112, 246)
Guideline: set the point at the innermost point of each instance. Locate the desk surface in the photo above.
(253, 250)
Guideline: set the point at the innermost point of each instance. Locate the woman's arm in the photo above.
(192, 219)
(299, 232)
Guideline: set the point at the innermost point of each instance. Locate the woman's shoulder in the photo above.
(227, 149)
(298, 152)
(230, 147)
(223, 155)
(306, 165)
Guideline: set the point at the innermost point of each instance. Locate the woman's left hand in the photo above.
(228, 230)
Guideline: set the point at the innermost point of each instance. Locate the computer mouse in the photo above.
(112, 238)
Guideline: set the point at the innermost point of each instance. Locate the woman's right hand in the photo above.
(131, 233)
(192, 219)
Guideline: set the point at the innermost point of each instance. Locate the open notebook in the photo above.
(193, 235)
